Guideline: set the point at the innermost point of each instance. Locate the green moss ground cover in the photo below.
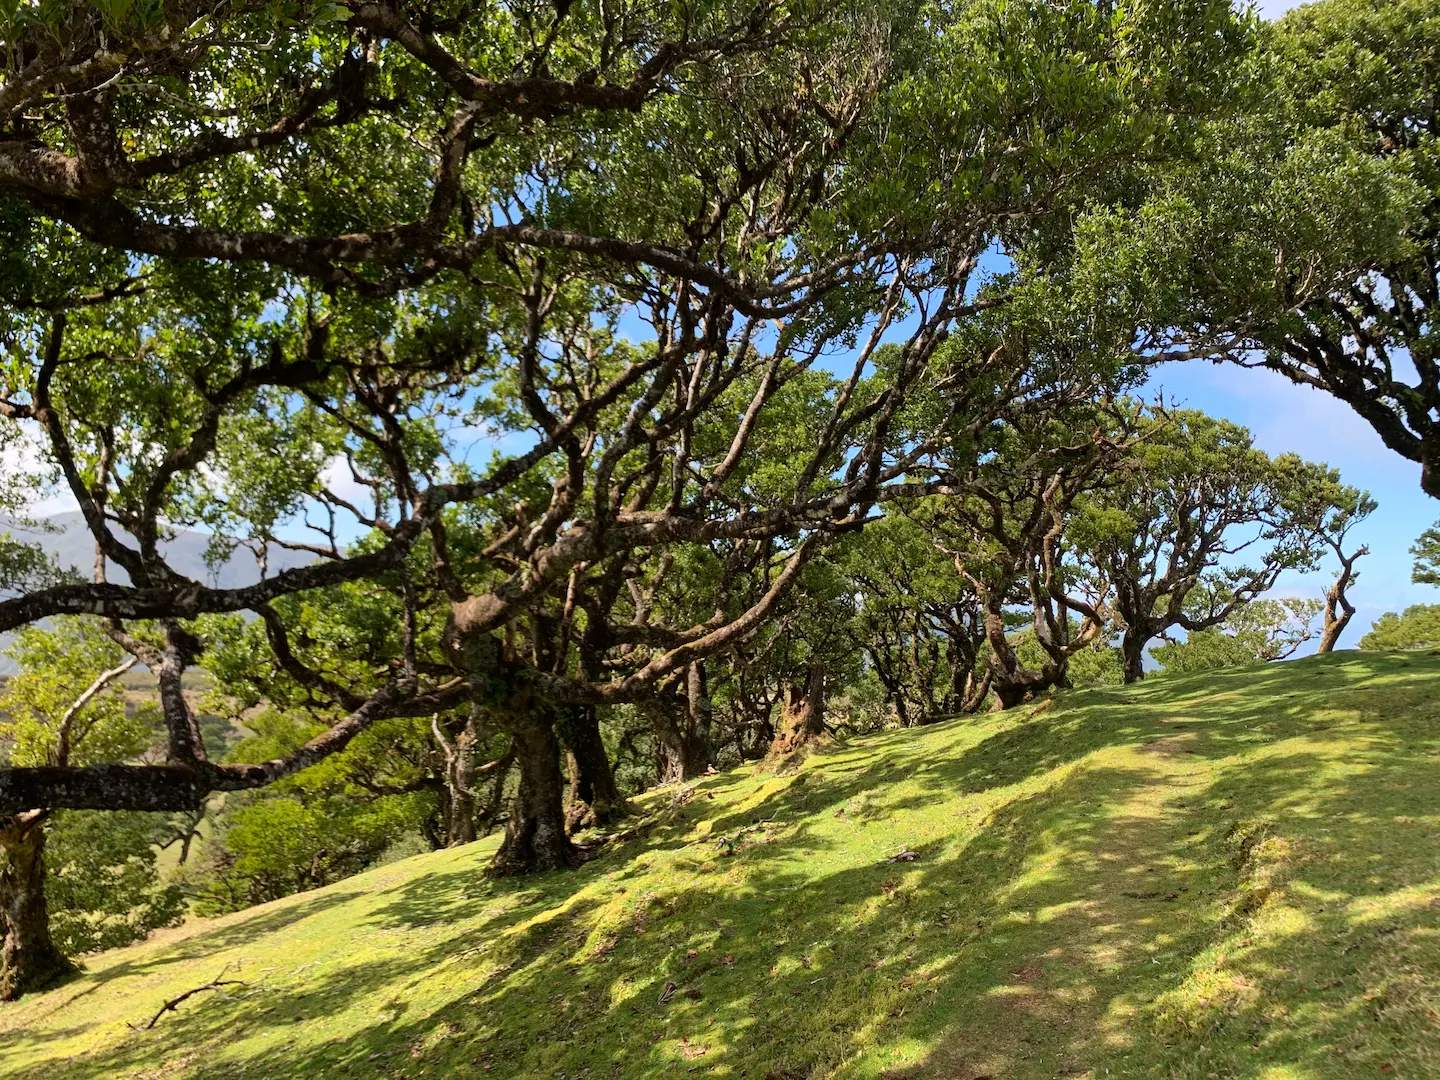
(1226, 875)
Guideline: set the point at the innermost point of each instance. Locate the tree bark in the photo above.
(535, 837)
(1334, 626)
(460, 825)
(682, 730)
(1010, 694)
(1132, 652)
(1011, 681)
(1338, 608)
(29, 959)
(975, 692)
(459, 780)
(681, 755)
(803, 719)
(594, 798)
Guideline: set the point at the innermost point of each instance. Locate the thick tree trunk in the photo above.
(803, 720)
(1331, 635)
(681, 755)
(460, 822)
(594, 798)
(29, 959)
(1132, 654)
(1010, 694)
(1011, 681)
(975, 693)
(1335, 624)
(459, 782)
(1338, 608)
(458, 797)
(535, 837)
(682, 731)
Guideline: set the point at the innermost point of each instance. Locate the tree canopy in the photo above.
(1301, 237)
(601, 393)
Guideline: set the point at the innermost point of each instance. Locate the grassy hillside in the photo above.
(1231, 875)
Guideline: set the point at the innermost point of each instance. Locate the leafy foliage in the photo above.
(1258, 631)
(1427, 558)
(103, 885)
(282, 842)
(57, 666)
(1417, 628)
(1302, 237)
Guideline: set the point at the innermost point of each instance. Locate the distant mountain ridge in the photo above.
(70, 542)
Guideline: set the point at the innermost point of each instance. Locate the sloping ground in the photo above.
(1233, 875)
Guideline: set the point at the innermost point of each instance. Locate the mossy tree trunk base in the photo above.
(535, 838)
(803, 719)
(594, 797)
(29, 959)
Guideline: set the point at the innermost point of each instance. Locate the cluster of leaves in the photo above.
(319, 826)
(1262, 630)
(1417, 628)
(103, 885)
(280, 843)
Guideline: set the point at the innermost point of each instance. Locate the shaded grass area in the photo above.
(1225, 875)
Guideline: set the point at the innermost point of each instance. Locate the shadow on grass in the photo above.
(1067, 928)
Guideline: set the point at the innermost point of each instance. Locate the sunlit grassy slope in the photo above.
(1232, 875)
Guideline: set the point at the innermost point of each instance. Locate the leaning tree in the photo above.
(1303, 237)
(326, 257)
(1006, 529)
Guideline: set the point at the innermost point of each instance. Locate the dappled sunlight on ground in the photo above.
(1231, 875)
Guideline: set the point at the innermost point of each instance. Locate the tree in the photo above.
(1417, 628)
(816, 654)
(325, 823)
(749, 228)
(1259, 631)
(1197, 498)
(920, 623)
(1350, 508)
(1303, 238)
(1427, 557)
(63, 708)
(1098, 664)
(1008, 538)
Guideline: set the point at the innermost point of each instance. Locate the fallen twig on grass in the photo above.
(174, 1003)
(729, 843)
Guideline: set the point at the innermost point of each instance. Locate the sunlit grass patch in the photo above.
(1225, 875)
